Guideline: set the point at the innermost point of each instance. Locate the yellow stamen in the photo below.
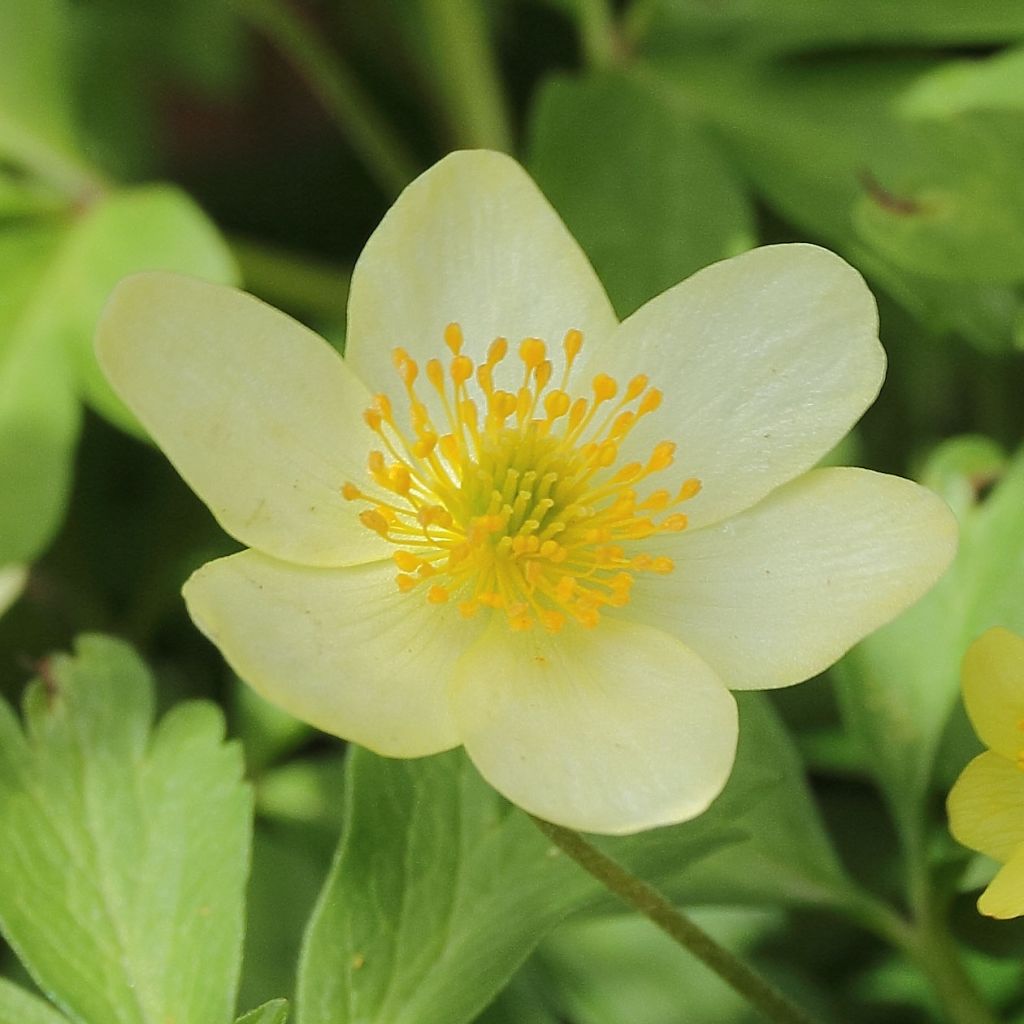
(519, 507)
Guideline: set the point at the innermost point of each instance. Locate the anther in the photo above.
(482, 501)
(572, 344)
(497, 351)
(406, 561)
(662, 456)
(689, 489)
(461, 369)
(556, 404)
(453, 338)
(435, 374)
(532, 352)
(650, 402)
(375, 521)
(636, 386)
(604, 387)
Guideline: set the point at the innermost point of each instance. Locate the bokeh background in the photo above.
(259, 141)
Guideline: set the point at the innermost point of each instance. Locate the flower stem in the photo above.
(63, 170)
(602, 46)
(936, 955)
(381, 149)
(928, 941)
(772, 1004)
(465, 60)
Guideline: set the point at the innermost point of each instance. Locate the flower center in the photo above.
(517, 503)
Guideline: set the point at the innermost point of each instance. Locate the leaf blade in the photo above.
(122, 890)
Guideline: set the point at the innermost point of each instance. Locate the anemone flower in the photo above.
(507, 520)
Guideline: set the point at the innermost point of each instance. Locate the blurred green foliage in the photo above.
(259, 141)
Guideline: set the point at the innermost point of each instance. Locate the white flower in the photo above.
(560, 551)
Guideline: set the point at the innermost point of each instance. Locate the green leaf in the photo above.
(996, 83)
(440, 889)
(898, 686)
(39, 413)
(156, 227)
(433, 867)
(274, 1012)
(54, 281)
(20, 1007)
(22, 197)
(786, 855)
(763, 26)
(625, 969)
(35, 103)
(522, 1001)
(121, 888)
(881, 189)
(953, 201)
(645, 190)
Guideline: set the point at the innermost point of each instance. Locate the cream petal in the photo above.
(611, 730)
(1004, 898)
(993, 684)
(258, 414)
(986, 806)
(470, 241)
(339, 648)
(778, 593)
(766, 360)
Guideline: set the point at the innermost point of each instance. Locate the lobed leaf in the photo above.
(20, 1007)
(274, 1012)
(126, 850)
(440, 889)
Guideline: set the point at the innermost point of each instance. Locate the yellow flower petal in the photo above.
(471, 241)
(611, 730)
(259, 415)
(778, 593)
(341, 649)
(986, 806)
(993, 685)
(1004, 896)
(766, 361)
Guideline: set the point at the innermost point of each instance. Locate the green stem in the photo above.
(602, 46)
(773, 1005)
(933, 950)
(926, 940)
(288, 279)
(464, 58)
(64, 171)
(381, 149)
